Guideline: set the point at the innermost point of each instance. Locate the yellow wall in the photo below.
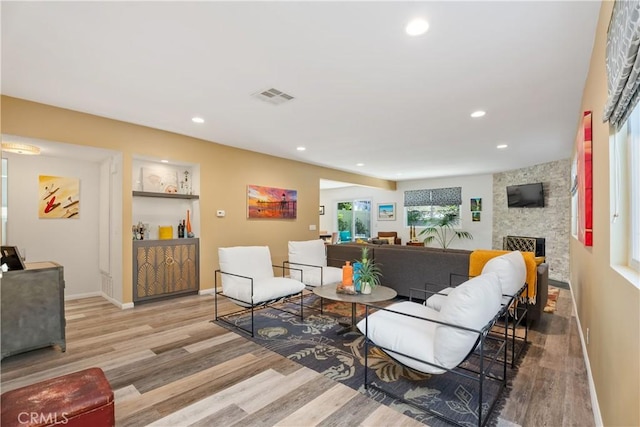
(224, 174)
(607, 303)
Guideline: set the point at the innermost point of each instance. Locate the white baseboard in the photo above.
(123, 306)
(597, 416)
(206, 291)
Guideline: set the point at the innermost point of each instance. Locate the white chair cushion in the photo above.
(310, 252)
(511, 271)
(472, 304)
(404, 334)
(254, 262)
(263, 289)
(311, 276)
(435, 301)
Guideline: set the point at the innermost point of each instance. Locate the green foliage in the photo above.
(441, 230)
(360, 227)
(343, 224)
(369, 271)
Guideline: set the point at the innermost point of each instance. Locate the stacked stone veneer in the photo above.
(553, 222)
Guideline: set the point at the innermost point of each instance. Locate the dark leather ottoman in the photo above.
(82, 398)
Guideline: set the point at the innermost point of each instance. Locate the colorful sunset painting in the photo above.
(271, 203)
(59, 197)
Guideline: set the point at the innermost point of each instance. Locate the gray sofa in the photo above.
(432, 269)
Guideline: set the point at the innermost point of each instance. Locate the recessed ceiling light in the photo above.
(501, 146)
(164, 161)
(417, 27)
(197, 120)
(359, 164)
(301, 148)
(477, 114)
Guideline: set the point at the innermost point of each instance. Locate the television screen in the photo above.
(525, 196)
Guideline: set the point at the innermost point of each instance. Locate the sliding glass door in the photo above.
(354, 220)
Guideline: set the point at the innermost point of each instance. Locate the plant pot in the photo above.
(365, 288)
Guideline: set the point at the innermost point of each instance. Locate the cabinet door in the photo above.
(165, 269)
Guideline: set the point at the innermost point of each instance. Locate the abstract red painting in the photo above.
(585, 181)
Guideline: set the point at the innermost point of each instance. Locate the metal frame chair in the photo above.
(487, 362)
(290, 290)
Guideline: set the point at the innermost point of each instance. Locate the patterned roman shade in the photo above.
(623, 61)
(433, 197)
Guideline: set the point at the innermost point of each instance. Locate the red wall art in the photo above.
(582, 187)
(59, 197)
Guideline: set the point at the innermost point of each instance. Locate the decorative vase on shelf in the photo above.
(189, 232)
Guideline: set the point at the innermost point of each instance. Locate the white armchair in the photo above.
(248, 280)
(310, 261)
(512, 273)
(437, 342)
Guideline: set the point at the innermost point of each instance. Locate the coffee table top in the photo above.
(379, 293)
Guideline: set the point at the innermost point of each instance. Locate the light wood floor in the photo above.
(169, 366)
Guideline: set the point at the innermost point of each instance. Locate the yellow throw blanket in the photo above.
(480, 257)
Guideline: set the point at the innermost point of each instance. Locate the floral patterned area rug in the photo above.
(314, 343)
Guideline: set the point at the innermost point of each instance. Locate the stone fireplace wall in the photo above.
(553, 222)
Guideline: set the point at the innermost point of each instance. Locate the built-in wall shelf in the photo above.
(165, 195)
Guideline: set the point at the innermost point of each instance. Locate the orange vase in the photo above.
(188, 223)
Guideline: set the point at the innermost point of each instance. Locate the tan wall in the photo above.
(224, 174)
(607, 303)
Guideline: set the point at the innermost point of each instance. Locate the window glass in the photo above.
(422, 216)
(354, 220)
(633, 153)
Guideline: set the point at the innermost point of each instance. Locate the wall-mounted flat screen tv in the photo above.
(525, 196)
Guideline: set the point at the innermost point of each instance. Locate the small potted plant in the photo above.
(368, 274)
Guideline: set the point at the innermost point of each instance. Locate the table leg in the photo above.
(350, 327)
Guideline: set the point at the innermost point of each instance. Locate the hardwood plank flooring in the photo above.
(170, 366)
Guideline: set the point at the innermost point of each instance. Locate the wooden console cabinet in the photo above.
(32, 308)
(165, 268)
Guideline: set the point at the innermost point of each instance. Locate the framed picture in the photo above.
(475, 216)
(386, 211)
(271, 203)
(476, 204)
(321, 210)
(59, 197)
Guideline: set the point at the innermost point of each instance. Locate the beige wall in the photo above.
(607, 303)
(224, 174)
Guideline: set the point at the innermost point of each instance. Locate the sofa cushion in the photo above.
(472, 305)
(404, 334)
(511, 271)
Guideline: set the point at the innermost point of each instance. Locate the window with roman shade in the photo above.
(623, 62)
(423, 206)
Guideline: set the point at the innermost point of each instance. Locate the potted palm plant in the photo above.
(368, 274)
(442, 231)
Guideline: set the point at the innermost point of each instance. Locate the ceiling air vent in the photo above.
(273, 96)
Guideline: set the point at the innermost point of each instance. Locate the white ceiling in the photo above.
(364, 90)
